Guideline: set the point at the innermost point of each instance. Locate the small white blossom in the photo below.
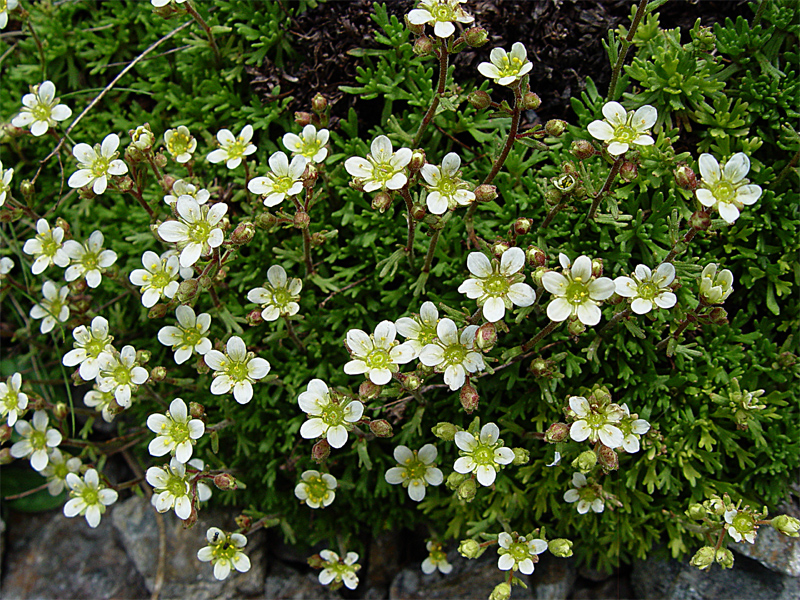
(648, 289)
(5, 8)
(446, 190)
(233, 149)
(339, 570)
(89, 344)
(160, 3)
(53, 308)
(142, 138)
(119, 373)
(89, 260)
(284, 180)
(310, 143)
(316, 489)
(6, 264)
(377, 355)
(40, 108)
(622, 129)
(236, 369)
(5, 183)
(726, 189)
(507, 68)
(415, 470)
(184, 188)
(437, 559)
(177, 432)
(195, 232)
(382, 169)
(59, 466)
(37, 440)
(518, 553)
(280, 295)
(482, 456)
(47, 247)
(577, 292)
(497, 286)
(453, 354)
(741, 525)
(596, 422)
(158, 279)
(171, 488)
(585, 495)
(179, 142)
(441, 14)
(632, 428)
(89, 497)
(329, 415)
(189, 336)
(224, 551)
(96, 164)
(419, 330)
(102, 402)
(13, 401)
(715, 287)
(203, 490)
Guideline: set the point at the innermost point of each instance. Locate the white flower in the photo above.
(596, 422)
(236, 370)
(96, 164)
(518, 553)
(7, 7)
(632, 428)
(88, 346)
(189, 336)
(40, 108)
(585, 495)
(53, 308)
(89, 497)
(280, 295)
(284, 180)
(446, 189)
(57, 469)
(440, 14)
(160, 3)
(102, 402)
(179, 142)
(233, 149)
(329, 415)
(195, 231)
(316, 489)
(419, 330)
(13, 402)
(6, 264)
(120, 374)
(453, 354)
(339, 570)
(507, 68)
(715, 287)
(142, 138)
(497, 287)
(727, 190)
(203, 490)
(647, 288)
(482, 456)
(377, 355)
(177, 432)
(47, 247)
(5, 182)
(310, 143)
(158, 279)
(88, 259)
(171, 488)
(224, 551)
(741, 525)
(577, 292)
(37, 440)
(383, 168)
(415, 470)
(437, 559)
(184, 188)
(621, 129)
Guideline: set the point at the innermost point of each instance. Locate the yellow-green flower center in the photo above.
(122, 375)
(442, 12)
(237, 148)
(38, 439)
(454, 354)
(724, 191)
(577, 292)
(237, 370)
(95, 346)
(317, 489)
(41, 112)
(100, 164)
(179, 143)
(510, 66)
(49, 245)
(625, 134)
(90, 495)
(199, 231)
(495, 285)
(743, 523)
(378, 359)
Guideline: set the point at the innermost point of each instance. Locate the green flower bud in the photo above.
(5, 456)
(522, 226)
(531, 101)
(557, 432)
(301, 219)
(521, 456)
(585, 462)
(555, 127)
(197, 410)
(724, 558)
(243, 233)
(381, 428)
(718, 316)
(226, 481)
(696, 512)
(476, 36)
(467, 490)
(499, 248)
(502, 591)
(485, 193)
(535, 257)
(243, 521)
(266, 220)
(303, 118)
(369, 391)
(470, 549)
(381, 201)
(143, 356)
(469, 398)
(410, 381)
(560, 547)
(254, 317)
(321, 451)
(158, 373)
(319, 103)
(486, 336)
(417, 160)
(628, 171)
(703, 558)
(160, 160)
(608, 458)
(418, 211)
(553, 196)
(786, 525)
(582, 149)
(187, 290)
(445, 431)
(27, 189)
(575, 327)
(479, 100)
(454, 480)
(685, 178)
(423, 46)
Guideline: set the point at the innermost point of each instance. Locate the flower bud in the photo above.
(143, 357)
(553, 196)
(187, 290)
(303, 118)
(321, 451)
(700, 220)
(535, 257)
(60, 410)
(5, 456)
(410, 381)
(133, 155)
(254, 317)
(204, 282)
(609, 459)
(142, 137)
(486, 336)
(718, 316)
(5, 433)
(502, 591)
(470, 549)
(521, 457)
(786, 525)
(485, 193)
(628, 171)
(557, 432)
(703, 558)
(479, 100)
(575, 327)
(696, 511)
(531, 101)
(417, 160)
(10, 214)
(160, 160)
(686, 178)
(467, 490)
(476, 36)
(381, 201)
(319, 103)
(381, 428)
(114, 408)
(423, 46)
(724, 558)
(158, 373)
(243, 233)
(266, 220)
(582, 149)
(560, 547)
(469, 398)
(197, 410)
(412, 27)
(27, 189)
(499, 248)
(302, 220)
(368, 390)
(445, 431)
(226, 481)
(418, 211)
(243, 522)
(522, 225)
(585, 462)
(191, 519)
(555, 127)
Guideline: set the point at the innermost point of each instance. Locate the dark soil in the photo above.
(563, 39)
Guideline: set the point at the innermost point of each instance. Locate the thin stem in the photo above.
(606, 187)
(626, 44)
(690, 318)
(551, 326)
(676, 249)
(24, 207)
(426, 268)
(39, 47)
(196, 16)
(246, 178)
(137, 194)
(293, 335)
(26, 493)
(759, 13)
(444, 59)
(307, 252)
(412, 224)
(157, 172)
(598, 338)
(553, 212)
(785, 171)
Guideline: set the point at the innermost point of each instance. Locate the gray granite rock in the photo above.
(51, 556)
(289, 584)
(553, 578)
(776, 551)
